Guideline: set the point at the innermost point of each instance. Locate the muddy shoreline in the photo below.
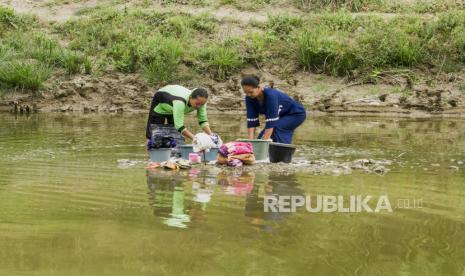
(413, 92)
(321, 95)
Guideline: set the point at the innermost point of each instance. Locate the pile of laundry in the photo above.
(205, 142)
(161, 142)
(236, 154)
(164, 136)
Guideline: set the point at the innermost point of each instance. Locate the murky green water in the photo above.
(67, 208)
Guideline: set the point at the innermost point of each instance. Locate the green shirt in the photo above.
(174, 100)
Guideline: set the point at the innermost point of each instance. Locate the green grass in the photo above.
(389, 6)
(282, 25)
(462, 87)
(251, 5)
(125, 56)
(151, 42)
(71, 61)
(24, 74)
(351, 5)
(221, 59)
(458, 38)
(370, 43)
(27, 56)
(320, 52)
(256, 48)
(204, 23)
(422, 6)
(22, 64)
(182, 25)
(161, 58)
(9, 20)
(170, 46)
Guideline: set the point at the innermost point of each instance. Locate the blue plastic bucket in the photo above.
(160, 155)
(209, 156)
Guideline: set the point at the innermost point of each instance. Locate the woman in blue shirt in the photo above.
(282, 114)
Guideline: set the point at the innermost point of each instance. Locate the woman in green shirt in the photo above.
(172, 102)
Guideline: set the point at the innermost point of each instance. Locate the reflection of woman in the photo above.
(275, 185)
(168, 199)
(282, 114)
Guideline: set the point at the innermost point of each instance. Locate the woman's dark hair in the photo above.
(251, 80)
(199, 92)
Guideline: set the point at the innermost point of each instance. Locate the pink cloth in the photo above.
(236, 148)
(239, 188)
(235, 162)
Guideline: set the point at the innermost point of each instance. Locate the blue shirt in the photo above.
(275, 104)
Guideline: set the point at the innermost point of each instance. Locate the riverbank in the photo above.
(364, 59)
(321, 95)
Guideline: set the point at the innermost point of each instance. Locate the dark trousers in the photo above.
(155, 118)
(284, 129)
(158, 119)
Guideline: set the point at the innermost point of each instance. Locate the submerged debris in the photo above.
(152, 165)
(324, 167)
(126, 163)
(316, 167)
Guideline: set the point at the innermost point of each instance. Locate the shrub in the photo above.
(9, 20)
(352, 5)
(161, 58)
(71, 61)
(256, 46)
(458, 36)
(176, 26)
(338, 21)
(204, 23)
(221, 60)
(282, 25)
(41, 48)
(318, 51)
(88, 66)
(24, 74)
(391, 46)
(125, 56)
(449, 20)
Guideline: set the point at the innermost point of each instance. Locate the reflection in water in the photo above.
(167, 197)
(278, 185)
(236, 184)
(182, 197)
(66, 208)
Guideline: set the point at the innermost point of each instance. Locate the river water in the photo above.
(68, 207)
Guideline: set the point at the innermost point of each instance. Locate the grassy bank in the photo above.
(28, 56)
(391, 6)
(172, 46)
(384, 6)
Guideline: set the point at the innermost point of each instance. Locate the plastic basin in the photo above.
(209, 156)
(160, 155)
(281, 152)
(260, 148)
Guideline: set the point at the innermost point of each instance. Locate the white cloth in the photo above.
(217, 140)
(202, 142)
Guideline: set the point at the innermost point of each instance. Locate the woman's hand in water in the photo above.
(251, 133)
(267, 134)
